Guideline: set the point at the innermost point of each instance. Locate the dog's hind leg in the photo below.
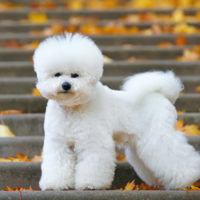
(163, 151)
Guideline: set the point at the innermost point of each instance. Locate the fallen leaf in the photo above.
(178, 16)
(198, 89)
(10, 112)
(132, 186)
(132, 59)
(19, 188)
(180, 41)
(120, 157)
(189, 130)
(184, 28)
(165, 44)
(35, 17)
(36, 92)
(181, 111)
(106, 59)
(36, 159)
(22, 158)
(188, 55)
(5, 131)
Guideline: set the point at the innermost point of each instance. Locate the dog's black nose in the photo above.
(66, 86)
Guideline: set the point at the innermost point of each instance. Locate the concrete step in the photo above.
(102, 195)
(32, 124)
(32, 145)
(115, 53)
(27, 174)
(62, 13)
(37, 104)
(24, 85)
(119, 68)
(19, 27)
(102, 40)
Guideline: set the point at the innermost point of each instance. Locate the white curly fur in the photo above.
(83, 124)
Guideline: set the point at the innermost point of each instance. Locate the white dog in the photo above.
(84, 119)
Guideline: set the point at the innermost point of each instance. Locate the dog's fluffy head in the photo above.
(74, 59)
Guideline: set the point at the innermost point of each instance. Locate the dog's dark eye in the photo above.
(74, 75)
(57, 74)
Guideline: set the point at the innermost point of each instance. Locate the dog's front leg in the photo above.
(58, 165)
(95, 163)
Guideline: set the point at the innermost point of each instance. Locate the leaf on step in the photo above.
(198, 89)
(142, 186)
(130, 185)
(181, 111)
(36, 92)
(180, 41)
(188, 55)
(35, 17)
(10, 112)
(184, 28)
(36, 159)
(120, 157)
(5, 131)
(189, 130)
(32, 45)
(11, 44)
(19, 188)
(106, 59)
(178, 16)
(165, 44)
(195, 187)
(21, 158)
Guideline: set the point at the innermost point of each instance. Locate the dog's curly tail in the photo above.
(143, 84)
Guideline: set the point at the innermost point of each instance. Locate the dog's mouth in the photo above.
(65, 92)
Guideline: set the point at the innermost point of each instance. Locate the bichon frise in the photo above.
(84, 119)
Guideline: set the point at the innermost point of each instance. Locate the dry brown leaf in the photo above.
(180, 41)
(19, 188)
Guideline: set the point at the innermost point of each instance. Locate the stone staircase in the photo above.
(17, 79)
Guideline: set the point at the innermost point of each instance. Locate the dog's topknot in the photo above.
(68, 52)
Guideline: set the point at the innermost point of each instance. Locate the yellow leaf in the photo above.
(5, 131)
(130, 185)
(184, 28)
(37, 17)
(36, 92)
(178, 15)
(192, 130)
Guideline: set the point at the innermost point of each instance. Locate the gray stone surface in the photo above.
(28, 174)
(116, 53)
(119, 68)
(102, 40)
(102, 195)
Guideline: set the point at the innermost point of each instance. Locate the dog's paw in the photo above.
(91, 183)
(55, 184)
